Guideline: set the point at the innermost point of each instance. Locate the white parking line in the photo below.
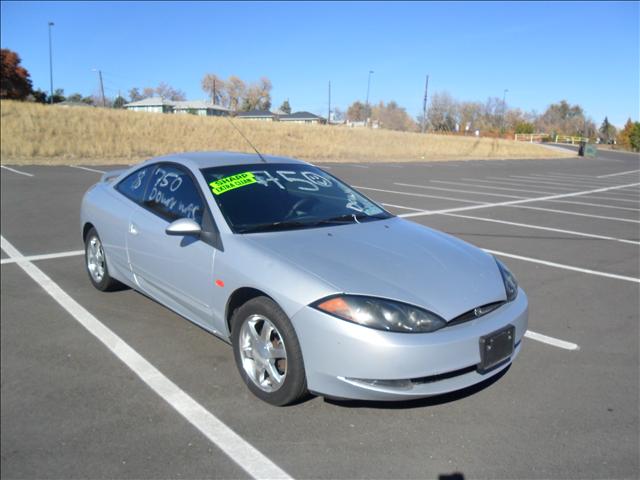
(423, 195)
(527, 200)
(524, 190)
(538, 227)
(565, 267)
(475, 192)
(402, 206)
(539, 181)
(16, 171)
(619, 173)
(46, 256)
(568, 183)
(239, 450)
(546, 176)
(556, 342)
(561, 189)
(578, 214)
(87, 169)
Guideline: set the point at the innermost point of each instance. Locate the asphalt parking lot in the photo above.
(567, 408)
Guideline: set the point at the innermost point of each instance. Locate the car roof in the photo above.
(199, 160)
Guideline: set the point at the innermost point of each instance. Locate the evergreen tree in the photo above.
(285, 107)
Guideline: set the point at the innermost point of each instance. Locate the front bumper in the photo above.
(345, 360)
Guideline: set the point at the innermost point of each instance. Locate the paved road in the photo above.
(70, 408)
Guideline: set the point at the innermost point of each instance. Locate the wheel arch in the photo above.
(85, 230)
(238, 298)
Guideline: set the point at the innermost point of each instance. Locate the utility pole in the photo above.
(51, 24)
(424, 106)
(504, 108)
(366, 113)
(329, 109)
(213, 93)
(104, 102)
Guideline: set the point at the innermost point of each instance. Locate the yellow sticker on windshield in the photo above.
(234, 181)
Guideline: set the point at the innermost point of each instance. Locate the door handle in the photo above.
(133, 230)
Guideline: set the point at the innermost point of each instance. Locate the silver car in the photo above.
(317, 287)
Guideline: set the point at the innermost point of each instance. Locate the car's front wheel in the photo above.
(267, 352)
(96, 263)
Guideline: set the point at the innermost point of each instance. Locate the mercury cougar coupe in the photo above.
(317, 288)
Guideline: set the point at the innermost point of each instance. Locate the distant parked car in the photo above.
(318, 288)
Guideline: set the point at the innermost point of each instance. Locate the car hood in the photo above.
(394, 259)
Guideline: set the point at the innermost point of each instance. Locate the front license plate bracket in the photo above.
(496, 348)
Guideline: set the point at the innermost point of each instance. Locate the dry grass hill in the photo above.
(34, 133)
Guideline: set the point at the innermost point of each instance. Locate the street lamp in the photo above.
(366, 121)
(504, 108)
(50, 65)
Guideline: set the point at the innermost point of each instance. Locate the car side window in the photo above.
(172, 194)
(133, 186)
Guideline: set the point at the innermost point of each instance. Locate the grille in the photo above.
(475, 313)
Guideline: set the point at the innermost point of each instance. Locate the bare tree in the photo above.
(167, 92)
(215, 87)
(236, 89)
(443, 112)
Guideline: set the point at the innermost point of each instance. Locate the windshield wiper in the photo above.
(275, 226)
(351, 218)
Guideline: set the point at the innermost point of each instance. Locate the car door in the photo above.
(175, 270)
(116, 209)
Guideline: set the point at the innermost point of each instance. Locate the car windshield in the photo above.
(285, 196)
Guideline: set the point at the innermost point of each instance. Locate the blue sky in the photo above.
(584, 52)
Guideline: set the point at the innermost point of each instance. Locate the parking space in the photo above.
(71, 408)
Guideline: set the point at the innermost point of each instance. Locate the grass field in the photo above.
(34, 133)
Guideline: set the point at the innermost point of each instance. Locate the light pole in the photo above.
(366, 120)
(504, 108)
(50, 65)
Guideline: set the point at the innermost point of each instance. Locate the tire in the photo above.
(95, 262)
(267, 352)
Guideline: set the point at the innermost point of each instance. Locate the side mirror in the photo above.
(182, 227)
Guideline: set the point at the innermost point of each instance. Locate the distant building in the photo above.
(160, 105)
(262, 115)
(199, 107)
(302, 117)
(153, 105)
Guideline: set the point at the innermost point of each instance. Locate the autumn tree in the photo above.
(357, 112)
(624, 136)
(629, 136)
(15, 82)
(392, 116)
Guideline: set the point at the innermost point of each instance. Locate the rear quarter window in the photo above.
(134, 185)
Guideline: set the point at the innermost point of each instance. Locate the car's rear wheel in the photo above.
(96, 263)
(267, 352)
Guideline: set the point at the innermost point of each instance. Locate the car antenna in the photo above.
(243, 136)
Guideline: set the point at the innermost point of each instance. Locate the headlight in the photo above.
(380, 314)
(510, 282)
